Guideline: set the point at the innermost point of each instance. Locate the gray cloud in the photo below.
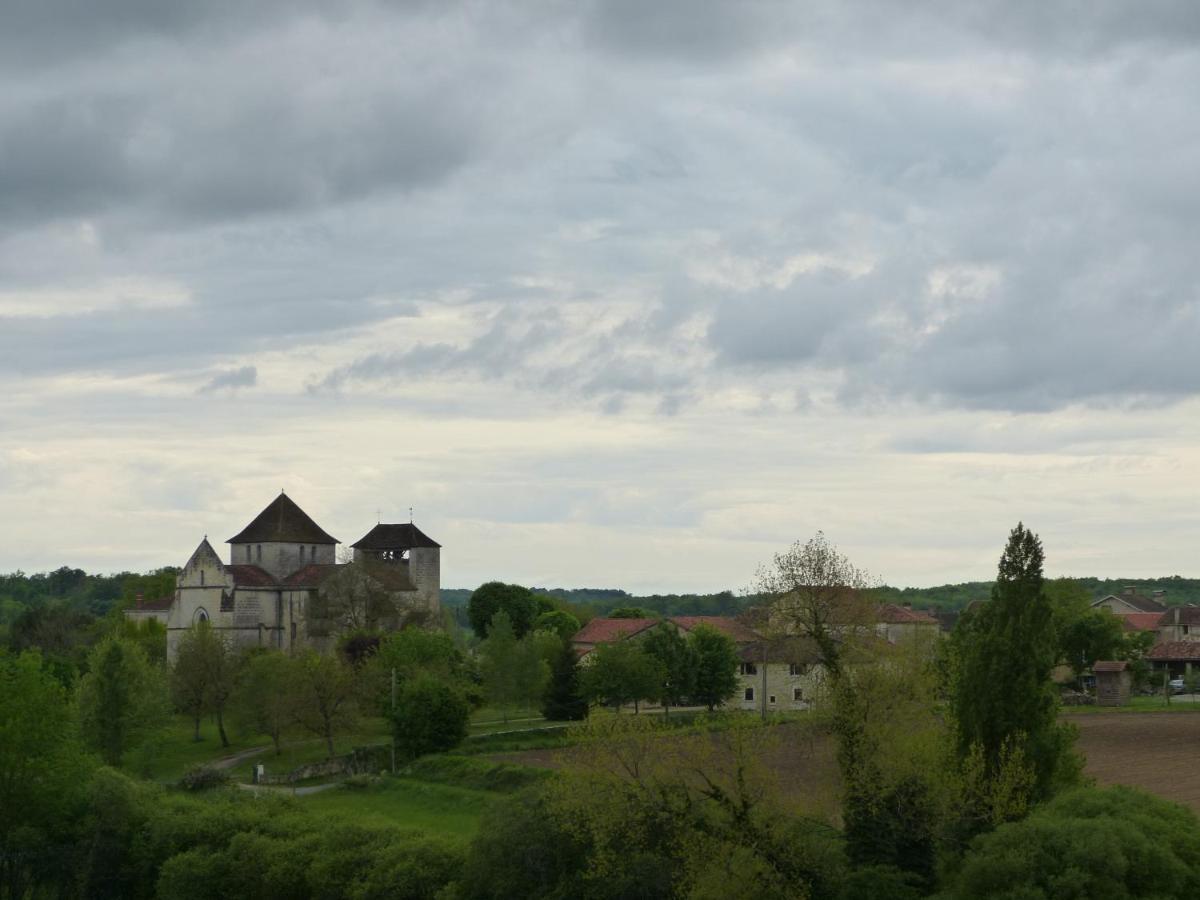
(242, 377)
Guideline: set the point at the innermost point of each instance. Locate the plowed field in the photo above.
(1158, 752)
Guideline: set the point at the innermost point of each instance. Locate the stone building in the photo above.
(283, 568)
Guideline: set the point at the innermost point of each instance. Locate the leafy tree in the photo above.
(630, 612)
(122, 699)
(498, 664)
(412, 652)
(620, 673)
(715, 666)
(203, 675)
(563, 700)
(517, 602)
(430, 717)
(361, 596)
(1003, 700)
(263, 695)
(677, 659)
(1113, 843)
(559, 621)
(813, 591)
(1083, 635)
(323, 695)
(41, 770)
(189, 679)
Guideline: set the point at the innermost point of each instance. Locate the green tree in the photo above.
(409, 653)
(678, 663)
(1114, 843)
(498, 664)
(1002, 698)
(189, 679)
(813, 591)
(1083, 634)
(620, 673)
(430, 717)
(519, 603)
(263, 696)
(559, 621)
(203, 675)
(630, 612)
(716, 664)
(323, 695)
(563, 701)
(42, 768)
(123, 698)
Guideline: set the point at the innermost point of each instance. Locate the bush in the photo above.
(478, 774)
(429, 717)
(1113, 843)
(203, 778)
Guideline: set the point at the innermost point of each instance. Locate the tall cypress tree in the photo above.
(562, 701)
(1004, 701)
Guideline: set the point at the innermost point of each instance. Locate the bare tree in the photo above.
(364, 596)
(812, 591)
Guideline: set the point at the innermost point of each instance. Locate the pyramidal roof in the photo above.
(284, 522)
(394, 537)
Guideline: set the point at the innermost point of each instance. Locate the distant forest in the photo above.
(99, 595)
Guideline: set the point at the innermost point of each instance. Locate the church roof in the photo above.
(251, 576)
(394, 537)
(283, 522)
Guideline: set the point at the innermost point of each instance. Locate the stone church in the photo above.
(283, 567)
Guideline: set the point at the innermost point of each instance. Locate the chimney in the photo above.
(139, 600)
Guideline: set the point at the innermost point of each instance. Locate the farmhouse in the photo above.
(1130, 602)
(283, 586)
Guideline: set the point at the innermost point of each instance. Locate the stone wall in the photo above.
(425, 570)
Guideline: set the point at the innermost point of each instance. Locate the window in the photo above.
(749, 669)
(301, 554)
(1185, 629)
(749, 693)
(201, 578)
(258, 553)
(795, 669)
(248, 555)
(798, 695)
(312, 554)
(771, 700)
(201, 615)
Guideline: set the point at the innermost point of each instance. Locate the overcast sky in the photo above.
(614, 294)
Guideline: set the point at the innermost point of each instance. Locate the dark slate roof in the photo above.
(251, 576)
(1188, 615)
(284, 522)
(1136, 600)
(394, 537)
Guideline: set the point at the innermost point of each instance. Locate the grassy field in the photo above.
(407, 803)
(1140, 704)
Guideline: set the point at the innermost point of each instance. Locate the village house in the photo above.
(280, 566)
(1130, 602)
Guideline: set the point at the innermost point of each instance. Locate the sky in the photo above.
(610, 293)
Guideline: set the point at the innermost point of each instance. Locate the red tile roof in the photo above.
(1110, 666)
(309, 576)
(891, 614)
(251, 576)
(1140, 621)
(731, 627)
(1176, 650)
(601, 631)
(159, 604)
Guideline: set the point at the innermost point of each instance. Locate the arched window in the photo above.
(200, 616)
(301, 554)
(258, 553)
(201, 578)
(248, 556)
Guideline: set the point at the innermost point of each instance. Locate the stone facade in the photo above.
(278, 565)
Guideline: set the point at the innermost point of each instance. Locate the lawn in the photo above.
(433, 808)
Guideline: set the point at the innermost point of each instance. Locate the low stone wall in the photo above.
(375, 758)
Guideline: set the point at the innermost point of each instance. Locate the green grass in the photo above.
(304, 749)
(433, 808)
(1137, 704)
(174, 751)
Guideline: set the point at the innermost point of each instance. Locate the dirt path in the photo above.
(228, 762)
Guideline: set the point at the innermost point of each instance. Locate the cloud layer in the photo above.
(692, 218)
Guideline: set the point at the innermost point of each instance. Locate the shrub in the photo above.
(429, 717)
(203, 778)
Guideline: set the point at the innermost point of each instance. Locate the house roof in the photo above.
(394, 537)
(600, 631)
(309, 576)
(251, 576)
(891, 614)
(1187, 615)
(1110, 665)
(1176, 650)
(1141, 621)
(1136, 600)
(157, 604)
(283, 522)
(731, 627)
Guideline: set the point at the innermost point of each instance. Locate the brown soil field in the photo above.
(1157, 752)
